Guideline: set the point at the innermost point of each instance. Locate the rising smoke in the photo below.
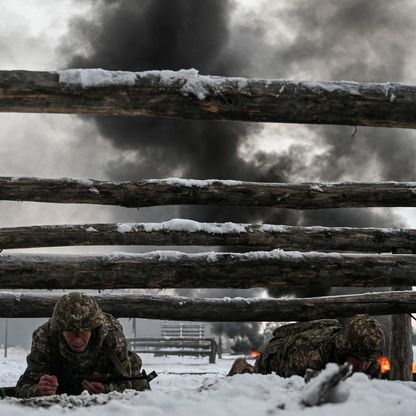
(345, 39)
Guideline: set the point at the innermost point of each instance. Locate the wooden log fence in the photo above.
(174, 191)
(25, 305)
(187, 94)
(187, 232)
(168, 269)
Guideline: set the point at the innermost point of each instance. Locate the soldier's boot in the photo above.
(240, 366)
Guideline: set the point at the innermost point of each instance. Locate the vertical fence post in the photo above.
(213, 351)
(6, 336)
(401, 352)
(220, 346)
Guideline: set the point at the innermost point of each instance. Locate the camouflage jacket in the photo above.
(106, 353)
(297, 347)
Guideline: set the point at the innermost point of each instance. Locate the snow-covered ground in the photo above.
(190, 386)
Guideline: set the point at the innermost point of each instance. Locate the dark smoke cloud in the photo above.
(156, 34)
(342, 40)
(247, 337)
(360, 41)
(346, 39)
(142, 35)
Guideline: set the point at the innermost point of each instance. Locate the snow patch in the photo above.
(271, 228)
(191, 226)
(316, 188)
(127, 227)
(190, 386)
(349, 87)
(191, 82)
(194, 182)
(86, 78)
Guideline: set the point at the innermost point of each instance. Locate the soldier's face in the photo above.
(357, 363)
(77, 342)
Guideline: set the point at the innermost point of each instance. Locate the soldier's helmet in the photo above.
(77, 311)
(362, 337)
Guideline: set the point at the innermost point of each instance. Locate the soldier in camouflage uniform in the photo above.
(297, 347)
(78, 344)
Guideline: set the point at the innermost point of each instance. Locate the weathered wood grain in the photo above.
(215, 98)
(163, 269)
(155, 192)
(175, 233)
(22, 305)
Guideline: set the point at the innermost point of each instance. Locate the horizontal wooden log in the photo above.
(187, 232)
(187, 94)
(167, 269)
(174, 191)
(23, 305)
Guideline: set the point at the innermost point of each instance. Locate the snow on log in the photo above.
(22, 305)
(170, 269)
(187, 94)
(175, 191)
(187, 232)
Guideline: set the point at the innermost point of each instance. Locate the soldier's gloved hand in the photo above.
(93, 387)
(47, 385)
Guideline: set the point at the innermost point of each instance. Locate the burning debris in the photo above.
(386, 366)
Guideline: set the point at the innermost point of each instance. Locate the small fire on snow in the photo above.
(254, 354)
(385, 366)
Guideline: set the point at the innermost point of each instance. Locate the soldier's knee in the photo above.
(240, 366)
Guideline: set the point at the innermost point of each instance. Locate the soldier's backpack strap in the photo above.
(117, 363)
(110, 351)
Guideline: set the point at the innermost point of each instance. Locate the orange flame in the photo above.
(385, 365)
(254, 354)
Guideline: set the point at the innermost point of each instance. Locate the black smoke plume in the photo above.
(346, 39)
